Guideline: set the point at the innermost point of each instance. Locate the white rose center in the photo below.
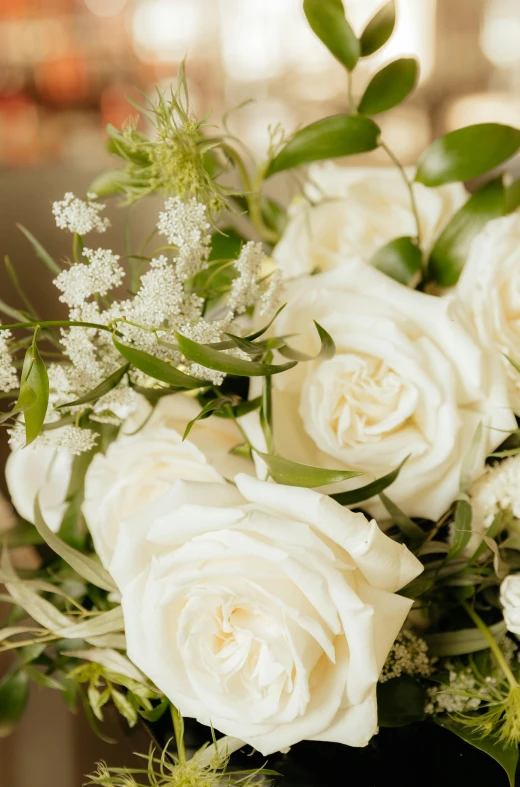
(357, 399)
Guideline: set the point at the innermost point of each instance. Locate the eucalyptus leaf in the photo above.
(401, 259)
(284, 471)
(458, 643)
(87, 568)
(462, 529)
(450, 251)
(390, 86)
(370, 490)
(326, 351)
(332, 137)
(40, 251)
(327, 20)
(378, 30)
(467, 153)
(215, 359)
(400, 701)
(34, 393)
(111, 382)
(14, 693)
(154, 367)
(506, 756)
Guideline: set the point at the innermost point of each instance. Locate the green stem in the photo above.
(497, 653)
(77, 248)
(55, 324)
(409, 186)
(178, 728)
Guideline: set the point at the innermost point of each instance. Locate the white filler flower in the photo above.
(497, 489)
(8, 374)
(76, 215)
(265, 610)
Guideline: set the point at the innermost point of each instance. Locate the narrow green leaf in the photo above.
(506, 756)
(211, 407)
(400, 701)
(462, 529)
(112, 381)
(512, 197)
(34, 393)
(332, 137)
(468, 463)
(450, 251)
(284, 471)
(390, 86)
(40, 251)
(14, 693)
(86, 567)
(503, 454)
(154, 367)
(406, 525)
(326, 352)
(14, 314)
(215, 359)
(513, 363)
(401, 259)
(22, 534)
(328, 22)
(378, 30)
(457, 643)
(370, 490)
(258, 334)
(113, 181)
(467, 153)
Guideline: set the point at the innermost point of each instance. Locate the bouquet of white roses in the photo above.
(271, 472)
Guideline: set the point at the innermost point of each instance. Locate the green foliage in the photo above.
(370, 490)
(157, 369)
(326, 351)
(450, 251)
(401, 259)
(207, 356)
(33, 399)
(462, 529)
(44, 255)
(284, 471)
(389, 86)
(332, 137)
(14, 693)
(378, 30)
(461, 641)
(327, 20)
(467, 153)
(111, 382)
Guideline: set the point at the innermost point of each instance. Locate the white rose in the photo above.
(488, 292)
(39, 469)
(266, 611)
(356, 212)
(406, 380)
(497, 489)
(510, 599)
(137, 468)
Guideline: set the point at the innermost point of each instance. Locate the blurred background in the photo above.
(66, 70)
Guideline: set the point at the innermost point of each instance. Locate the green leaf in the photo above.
(328, 22)
(378, 30)
(258, 334)
(400, 701)
(467, 153)
(125, 707)
(332, 137)
(100, 390)
(225, 244)
(154, 367)
(22, 534)
(407, 526)
(468, 462)
(284, 471)
(211, 407)
(389, 86)
(113, 181)
(215, 359)
(462, 529)
(506, 756)
(370, 490)
(34, 393)
(326, 352)
(40, 251)
(512, 197)
(86, 567)
(450, 251)
(513, 363)
(401, 259)
(14, 693)
(462, 641)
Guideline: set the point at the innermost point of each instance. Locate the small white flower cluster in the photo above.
(408, 656)
(82, 280)
(244, 289)
(462, 692)
(8, 375)
(75, 440)
(498, 488)
(79, 216)
(510, 600)
(186, 226)
(271, 298)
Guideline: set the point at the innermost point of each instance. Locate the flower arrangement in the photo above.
(273, 471)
